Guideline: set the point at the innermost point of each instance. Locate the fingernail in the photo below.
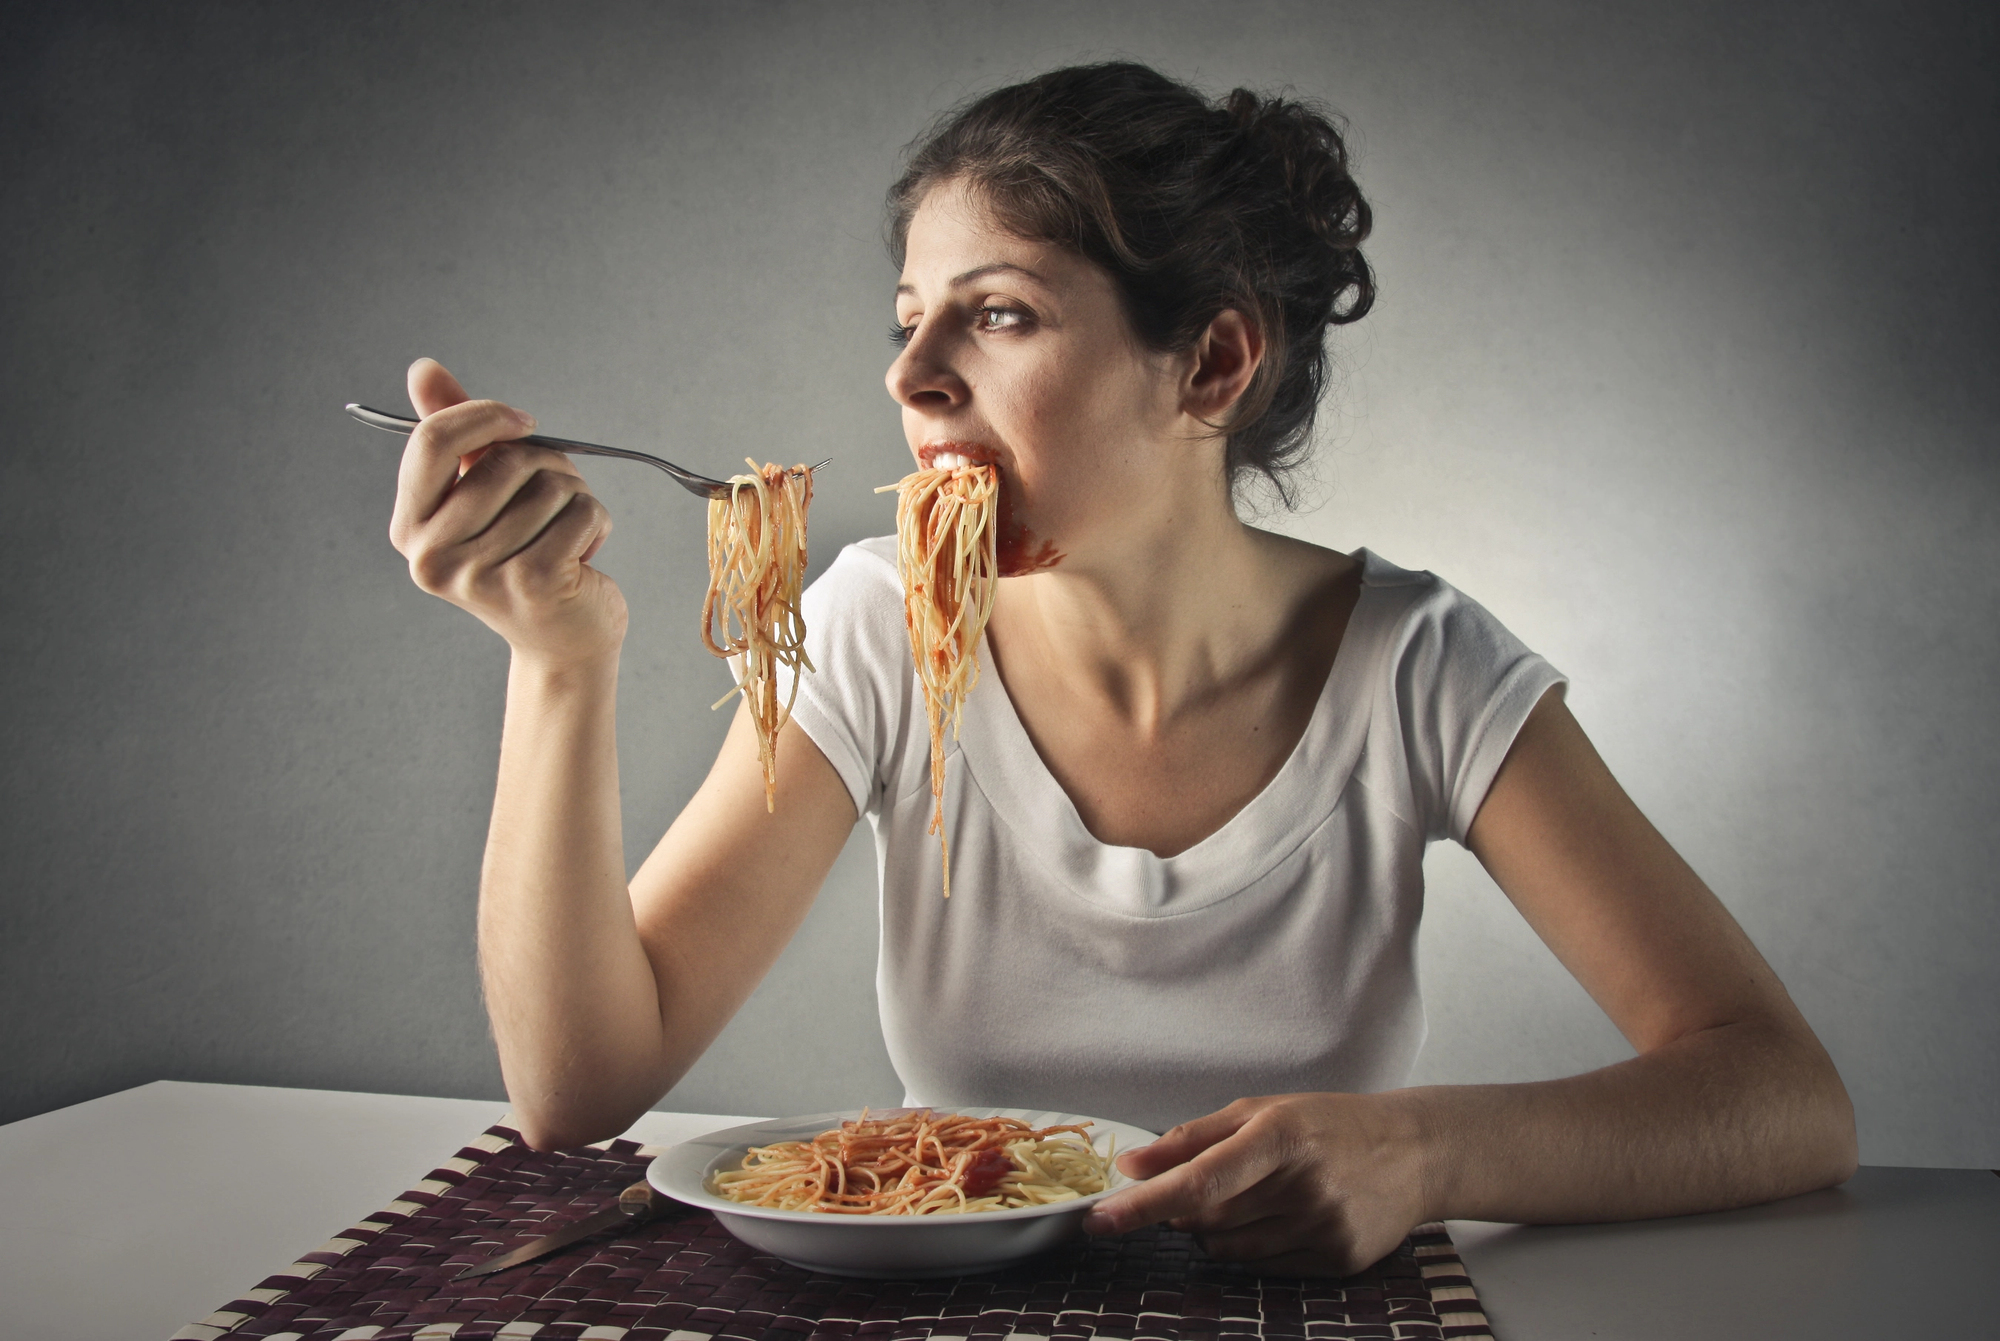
(1097, 1222)
(526, 418)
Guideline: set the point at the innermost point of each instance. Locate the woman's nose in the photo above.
(922, 377)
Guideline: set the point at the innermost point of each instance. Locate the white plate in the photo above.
(882, 1246)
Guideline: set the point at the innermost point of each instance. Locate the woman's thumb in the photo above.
(432, 388)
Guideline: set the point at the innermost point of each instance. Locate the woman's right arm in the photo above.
(601, 996)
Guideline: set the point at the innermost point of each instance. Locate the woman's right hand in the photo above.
(501, 528)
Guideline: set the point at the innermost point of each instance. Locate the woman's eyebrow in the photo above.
(981, 272)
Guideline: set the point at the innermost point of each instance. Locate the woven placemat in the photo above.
(685, 1278)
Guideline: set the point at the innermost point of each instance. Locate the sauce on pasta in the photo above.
(920, 1163)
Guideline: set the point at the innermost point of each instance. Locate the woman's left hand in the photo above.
(1295, 1184)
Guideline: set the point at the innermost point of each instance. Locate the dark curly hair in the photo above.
(1192, 207)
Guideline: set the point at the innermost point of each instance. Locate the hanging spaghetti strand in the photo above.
(752, 614)
(947, 553)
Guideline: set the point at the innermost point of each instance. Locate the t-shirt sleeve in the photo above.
(855, 702)
(1464, 686)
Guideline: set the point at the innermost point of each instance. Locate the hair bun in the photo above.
(1305, 150)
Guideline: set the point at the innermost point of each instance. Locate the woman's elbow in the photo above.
(543, 1135)
(1842, 1143)
(563, 1123)
(1828, 1145)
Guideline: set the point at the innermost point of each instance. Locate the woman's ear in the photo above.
(1226, 358)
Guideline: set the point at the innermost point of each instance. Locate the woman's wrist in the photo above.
(560, 674)
(1425, 1131)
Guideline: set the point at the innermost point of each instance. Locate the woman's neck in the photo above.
(1166, 617)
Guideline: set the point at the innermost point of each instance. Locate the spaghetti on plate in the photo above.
(920, 1163)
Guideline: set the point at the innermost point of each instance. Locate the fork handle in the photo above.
(687, 479)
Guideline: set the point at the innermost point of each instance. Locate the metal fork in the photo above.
(687, 479)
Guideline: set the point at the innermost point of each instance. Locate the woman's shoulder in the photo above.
(1428, 639)
(1328, 583)
(860, 578)
(855, 701)
(1448, 686)
(855, 607)
(1377, 571)
(1428, 650)
(866, 564)
(1413, 600)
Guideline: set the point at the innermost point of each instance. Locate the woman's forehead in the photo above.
(954, 237)
(953, 221)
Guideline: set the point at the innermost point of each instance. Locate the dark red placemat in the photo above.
(684, 1278)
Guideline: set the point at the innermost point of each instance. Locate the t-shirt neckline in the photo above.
(1001, 760)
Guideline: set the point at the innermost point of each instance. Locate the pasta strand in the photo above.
(752, 612)
(947, 553)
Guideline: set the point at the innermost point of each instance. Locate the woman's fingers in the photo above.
(454, 432)
(431, 466)
(570, 538)
(506, 508)
(1298, 1183)
(537, 506)
(477, 502)
(502, 528)
(1191, 1191)
(1276, 1194)
(1183, 1143)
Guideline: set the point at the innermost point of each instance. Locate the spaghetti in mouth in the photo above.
(947, 554)
(756, 577)
(920, 1163)
(1017, 550)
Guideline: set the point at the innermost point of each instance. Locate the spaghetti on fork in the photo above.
(752, 614)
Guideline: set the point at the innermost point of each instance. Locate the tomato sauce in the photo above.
(1017, 549)
(985, 1172)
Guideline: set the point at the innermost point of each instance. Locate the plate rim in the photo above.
(673, 1164)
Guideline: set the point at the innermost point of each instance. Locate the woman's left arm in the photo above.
(1731, 1101)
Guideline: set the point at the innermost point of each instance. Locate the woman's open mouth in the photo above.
(956, 455)
(1018, 550)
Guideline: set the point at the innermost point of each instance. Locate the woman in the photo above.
(1189, 806)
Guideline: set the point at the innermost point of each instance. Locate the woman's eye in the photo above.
(993, 318)
(984, 319)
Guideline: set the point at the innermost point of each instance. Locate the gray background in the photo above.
(1683, 363)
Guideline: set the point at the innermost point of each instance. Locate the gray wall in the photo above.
(1684, 364)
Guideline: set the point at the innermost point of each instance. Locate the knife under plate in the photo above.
(635, 1206)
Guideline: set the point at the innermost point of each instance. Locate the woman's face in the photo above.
(1018, 354)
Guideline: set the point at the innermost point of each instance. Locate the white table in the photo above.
(147, 1187)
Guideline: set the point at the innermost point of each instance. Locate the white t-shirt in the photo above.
(1276, 955)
